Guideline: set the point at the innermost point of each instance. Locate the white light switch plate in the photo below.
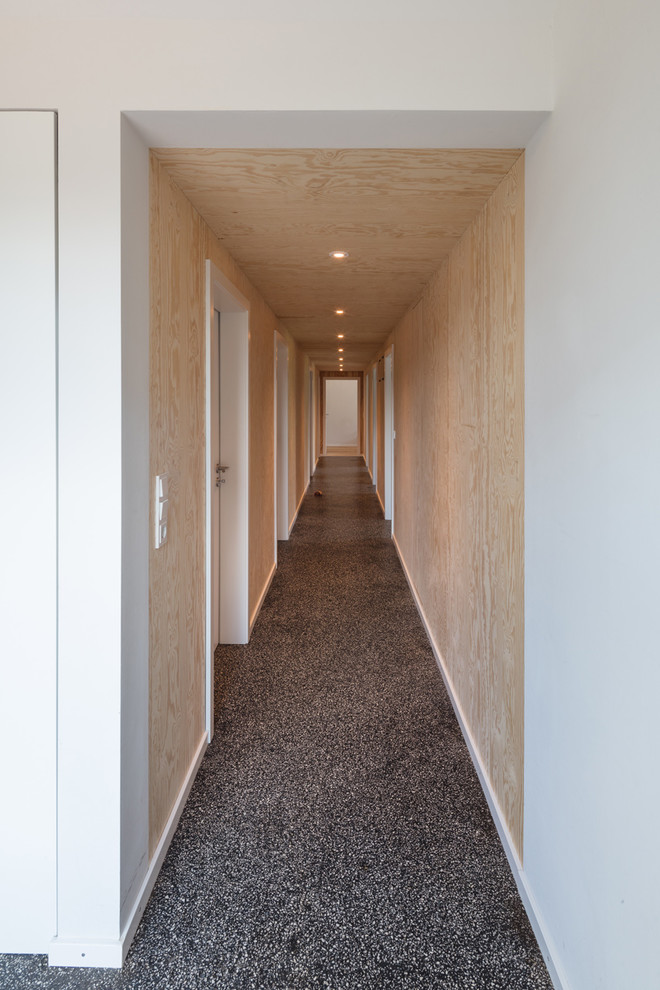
(161, 510)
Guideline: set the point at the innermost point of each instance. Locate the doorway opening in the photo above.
(311, 421)
(281, 440)
(341, 416)
(227, 326)
(388, 439)
(374, 427)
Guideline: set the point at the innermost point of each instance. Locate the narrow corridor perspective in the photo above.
(336, 835)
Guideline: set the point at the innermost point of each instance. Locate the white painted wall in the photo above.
(445, 60)
(592, 514)
(341, 412)
(136, 492)
(29, 521)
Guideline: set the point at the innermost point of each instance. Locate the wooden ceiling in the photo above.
(280, 212)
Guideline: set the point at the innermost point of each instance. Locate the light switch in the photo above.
(161, 510)
(161, 482)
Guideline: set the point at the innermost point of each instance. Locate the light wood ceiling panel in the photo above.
(398, 212)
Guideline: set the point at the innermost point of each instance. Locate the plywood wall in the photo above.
(176, 571)
(458, 393)
(180, 244)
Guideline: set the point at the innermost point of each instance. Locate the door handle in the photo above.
(221, 467)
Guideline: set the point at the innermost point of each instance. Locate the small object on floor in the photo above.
(318, 492)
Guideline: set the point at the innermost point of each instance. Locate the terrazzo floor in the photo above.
(336, 836)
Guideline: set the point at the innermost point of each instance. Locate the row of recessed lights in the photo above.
(339, 256)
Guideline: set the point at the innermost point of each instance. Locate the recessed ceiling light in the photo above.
(340, 349)
(340, 336)
(339, 255)
(339, 312)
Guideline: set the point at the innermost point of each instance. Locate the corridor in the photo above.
(336, 836)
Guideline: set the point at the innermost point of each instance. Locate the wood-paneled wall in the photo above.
(458, 393)
(180, 244)
(176, 570)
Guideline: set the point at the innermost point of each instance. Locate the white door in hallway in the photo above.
(341, 415)
(281, 439)
(217, 484)
(389, 435)
(227, 604)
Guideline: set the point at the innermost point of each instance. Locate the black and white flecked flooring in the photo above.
(336, 836)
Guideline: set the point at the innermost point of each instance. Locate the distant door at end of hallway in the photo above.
(341, 416)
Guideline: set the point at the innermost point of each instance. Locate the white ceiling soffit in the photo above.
(337, 129)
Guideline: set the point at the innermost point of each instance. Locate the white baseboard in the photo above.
(546, 944)
(101, 953)
(295, 514)
(111, 953)
(269, 581)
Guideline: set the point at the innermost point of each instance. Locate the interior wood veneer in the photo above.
(180, 244)
(397, 211)
(459, 417)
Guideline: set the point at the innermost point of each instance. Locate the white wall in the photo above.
(29, 522)
(136, 491)
(341, 412)
(592, 799)
(470, 82)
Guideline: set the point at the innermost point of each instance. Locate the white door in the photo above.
(374, 420)
(389, 440)
(227, 604)
(310, 425)
(217, 483)
(282, 438)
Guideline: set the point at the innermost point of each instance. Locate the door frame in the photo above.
(322, 377)
(281, 439)
(374, 425)
(223, 296)
(388, 437)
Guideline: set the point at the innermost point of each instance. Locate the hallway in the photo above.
(336, 836)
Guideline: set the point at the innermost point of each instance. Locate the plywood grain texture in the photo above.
(398, 212)
(176, 570)
(180, 244)
(459, 416)
(504, 317)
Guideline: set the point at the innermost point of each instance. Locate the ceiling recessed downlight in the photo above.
(340, 349)
(340, 336)
(339, 255)
(339, 312)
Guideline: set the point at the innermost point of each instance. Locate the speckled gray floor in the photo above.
(336, 836)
